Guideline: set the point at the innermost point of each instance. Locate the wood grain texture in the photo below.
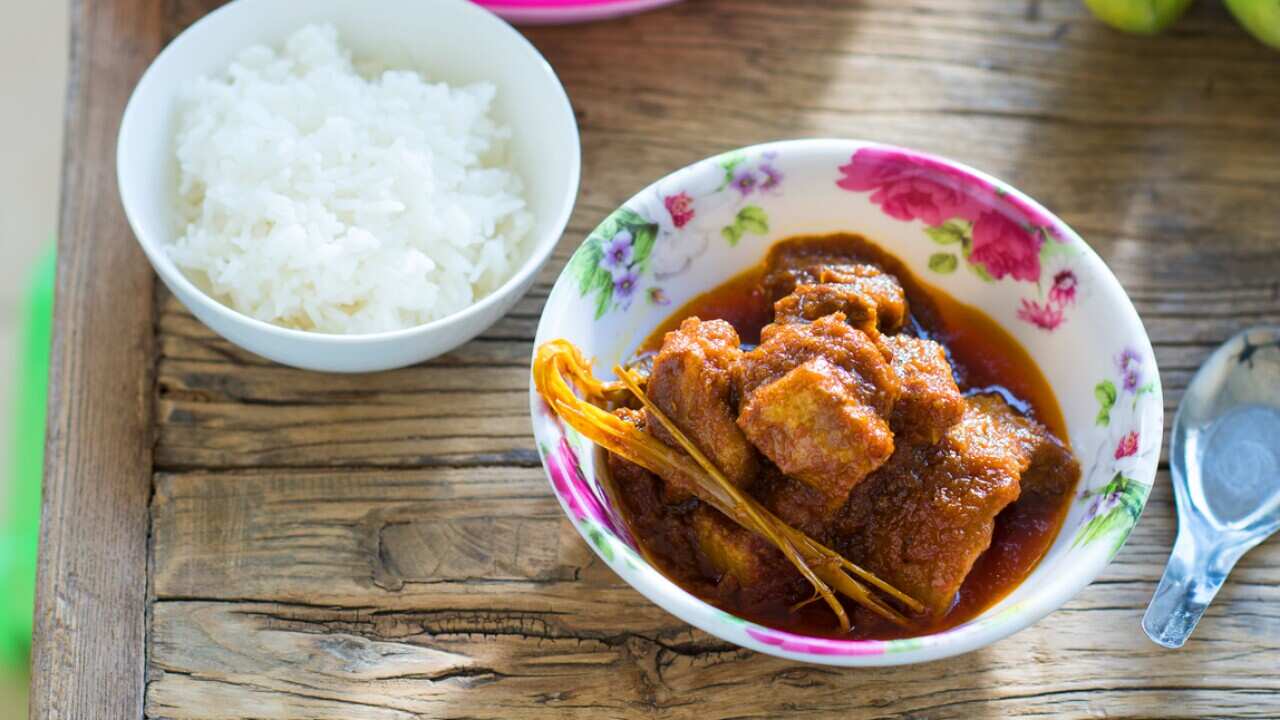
(87, 656)
(87, 659)
(385, 546)
(461, 593)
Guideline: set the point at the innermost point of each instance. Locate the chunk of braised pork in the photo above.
(741, 563)
(869, 299)
(815, 427)
(791, 264)
(922, 520)
(692, 382)
(1053, 469)
(816, 401)
(784, 347)
(930, 402)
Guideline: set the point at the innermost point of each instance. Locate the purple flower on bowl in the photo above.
(744, 181)
(1130, 365)
(618, 252)
(772, 175)
(624, 284)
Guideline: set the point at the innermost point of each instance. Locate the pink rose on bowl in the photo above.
(566, 475)
(1005, 248)
(680, 207)
(1128, 445)
(907, 187)
(815, 645)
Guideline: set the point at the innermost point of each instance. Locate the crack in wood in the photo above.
(277, 689)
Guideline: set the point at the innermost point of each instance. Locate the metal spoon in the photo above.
(1225, 458)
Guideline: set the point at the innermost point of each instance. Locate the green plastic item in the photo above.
(1145, 17)
(20, 531)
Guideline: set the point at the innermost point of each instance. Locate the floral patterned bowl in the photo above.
(967, 233)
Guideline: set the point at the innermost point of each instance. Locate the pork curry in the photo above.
(841, 413)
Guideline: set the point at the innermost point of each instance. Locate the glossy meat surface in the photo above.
(925, 517)
(929, 402)
(888, 294)
(871, 303)
(787, 346)
(1053, 469)
(796, 503)
(816, 402)
(813, 425)
(791, 264)
(692, 383)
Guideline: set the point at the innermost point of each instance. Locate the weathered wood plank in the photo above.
(316, 662)
(87, 655)
(384, 546)
(343, 537)
(463, 592)
(219, 406)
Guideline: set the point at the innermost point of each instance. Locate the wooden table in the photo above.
(224, 537)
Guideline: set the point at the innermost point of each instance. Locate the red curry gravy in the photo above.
(984, 358)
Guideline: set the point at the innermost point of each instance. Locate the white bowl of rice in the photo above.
(348, 186)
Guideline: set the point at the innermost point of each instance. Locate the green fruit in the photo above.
(1146, 17)
(1260, 17)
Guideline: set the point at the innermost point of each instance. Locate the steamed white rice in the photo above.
(317, 198)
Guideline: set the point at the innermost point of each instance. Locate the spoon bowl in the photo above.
(1225, 461)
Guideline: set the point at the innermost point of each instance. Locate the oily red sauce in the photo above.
(984, 357)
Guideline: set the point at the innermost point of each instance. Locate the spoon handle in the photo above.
(1195, 572)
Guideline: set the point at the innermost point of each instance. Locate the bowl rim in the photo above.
(153, 248)
(687, 607)
(535, 12)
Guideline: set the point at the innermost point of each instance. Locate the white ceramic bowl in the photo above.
(450, 40)
(967, 233)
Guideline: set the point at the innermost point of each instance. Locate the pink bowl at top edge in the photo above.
(551, 12)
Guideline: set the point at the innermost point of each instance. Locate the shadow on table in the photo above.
(1170, 138)
(657, 91)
